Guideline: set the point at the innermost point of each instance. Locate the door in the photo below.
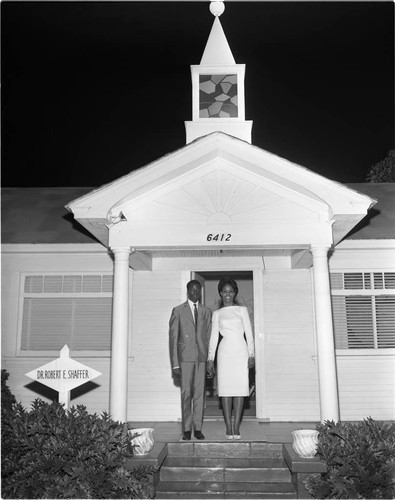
(210, 298)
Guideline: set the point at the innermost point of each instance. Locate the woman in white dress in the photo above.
(234, 357)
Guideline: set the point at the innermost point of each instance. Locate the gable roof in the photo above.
(37, 215)
(379, 224)
(334, 204)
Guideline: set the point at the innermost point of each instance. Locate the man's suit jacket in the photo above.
(185, 344)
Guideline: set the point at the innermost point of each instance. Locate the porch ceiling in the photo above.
(141, 259)
(243, 252)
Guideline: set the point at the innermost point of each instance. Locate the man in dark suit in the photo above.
(189, 335)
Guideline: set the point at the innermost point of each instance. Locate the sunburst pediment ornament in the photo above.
(219, 197)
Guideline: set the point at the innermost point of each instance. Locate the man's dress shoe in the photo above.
(186, 436)
(199, 435)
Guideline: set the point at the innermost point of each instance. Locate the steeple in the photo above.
(218, 88)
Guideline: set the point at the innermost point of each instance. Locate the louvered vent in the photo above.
(362, 281)
(336, 281)
(363, 310)
(67, 309)
(86, 283)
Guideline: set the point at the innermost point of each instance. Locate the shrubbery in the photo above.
(360, 460)
(49, 452)
(7, 398)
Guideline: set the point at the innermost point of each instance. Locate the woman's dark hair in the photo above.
(232, 283)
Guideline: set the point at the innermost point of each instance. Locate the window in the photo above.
(218, 96)
(363, 310)
(72, 309)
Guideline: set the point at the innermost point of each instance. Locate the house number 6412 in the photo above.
(219, 237)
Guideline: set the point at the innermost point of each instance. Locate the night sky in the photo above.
(91, 91)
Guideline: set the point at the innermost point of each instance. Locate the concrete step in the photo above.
(231, 490)
(233, 470)
(224, 469)
(225, 449)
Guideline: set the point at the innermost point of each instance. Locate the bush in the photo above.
(360, 460)
(7, 398)
(49, 452)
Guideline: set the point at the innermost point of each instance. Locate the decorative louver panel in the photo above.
(362, 281)
(363, 310)
(95, 283)
(67, 309)
(72, 284)
(353, 322)
(336, 281)
(385, 320)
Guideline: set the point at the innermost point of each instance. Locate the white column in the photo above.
(329, 398)
(119, 340)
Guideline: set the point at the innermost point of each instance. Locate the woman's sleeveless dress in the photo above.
(233, 351)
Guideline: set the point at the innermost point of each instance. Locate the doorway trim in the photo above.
(257, 270)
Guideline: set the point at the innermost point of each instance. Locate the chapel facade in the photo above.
(320, 293)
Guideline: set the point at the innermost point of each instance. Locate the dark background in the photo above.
(93, 90)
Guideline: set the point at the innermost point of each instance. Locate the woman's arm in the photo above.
(212, 347)
(248, 332)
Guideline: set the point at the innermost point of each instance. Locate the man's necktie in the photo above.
(195, 313)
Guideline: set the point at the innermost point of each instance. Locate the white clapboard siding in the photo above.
(366, 387)
(291, 378)
(71, 260)
(290, 371)
(152, 392)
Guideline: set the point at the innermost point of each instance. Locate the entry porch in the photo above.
(252, 429)
(219, 198)
(261, 465)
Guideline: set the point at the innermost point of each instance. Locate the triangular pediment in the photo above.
(222, 184)
(220, 192)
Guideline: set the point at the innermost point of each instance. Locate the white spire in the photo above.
(217, 51)
(218, 88)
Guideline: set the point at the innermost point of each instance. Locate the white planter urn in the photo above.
(305, 442)
(143, 440)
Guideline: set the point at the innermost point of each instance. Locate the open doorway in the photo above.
(211, 299)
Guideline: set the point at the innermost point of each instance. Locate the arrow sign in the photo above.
(63, 374)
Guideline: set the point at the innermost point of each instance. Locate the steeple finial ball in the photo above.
(217, 7)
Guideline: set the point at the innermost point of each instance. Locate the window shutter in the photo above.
(385, 317)
(359, 322)
(340, 322)
(353, 322)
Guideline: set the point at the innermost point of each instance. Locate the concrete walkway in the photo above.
(214, 430)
